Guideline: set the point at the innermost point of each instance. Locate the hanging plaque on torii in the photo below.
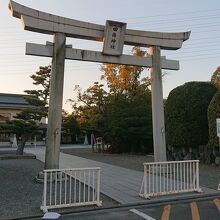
(114, 36)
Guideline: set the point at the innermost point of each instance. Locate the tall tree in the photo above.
(213, 114)
(215, 79)
(26, 123)
(124, 79)
(88, 107)
(40, 97)
(123, 113)
(214, 110)
(70, 126)
(128, 123)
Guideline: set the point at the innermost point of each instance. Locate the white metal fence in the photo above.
(162, 178)
(71, 187)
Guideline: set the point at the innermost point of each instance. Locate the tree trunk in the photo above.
(21, 144)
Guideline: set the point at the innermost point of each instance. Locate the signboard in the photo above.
(218, 126)
(114, 38)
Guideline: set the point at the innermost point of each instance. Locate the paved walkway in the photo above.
(120, 184)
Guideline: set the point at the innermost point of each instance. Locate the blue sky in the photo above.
(199, 56)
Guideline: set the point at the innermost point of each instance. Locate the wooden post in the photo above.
(55, 103)
(157, 106)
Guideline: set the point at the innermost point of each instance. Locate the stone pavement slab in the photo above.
(120, 184)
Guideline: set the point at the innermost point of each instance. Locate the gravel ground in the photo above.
(20, 195)
(209, 174)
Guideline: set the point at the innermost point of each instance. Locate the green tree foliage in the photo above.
(70, 126)
(88, 108)
(186, 114)
(215, 79)
(213, 114)
(24, 126)
(128, 123)
(123, 113)
(40, 97)
(26, 123)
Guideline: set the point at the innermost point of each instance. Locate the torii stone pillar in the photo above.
(157, 106)
(55, 103)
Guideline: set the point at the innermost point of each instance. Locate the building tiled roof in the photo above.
(13, 101)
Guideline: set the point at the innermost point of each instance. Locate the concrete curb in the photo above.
(148, 203)
(12, 156)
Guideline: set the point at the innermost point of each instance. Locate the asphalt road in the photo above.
(202, 209)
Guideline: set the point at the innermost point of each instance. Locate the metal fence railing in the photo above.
(162, 178)
(71, 187)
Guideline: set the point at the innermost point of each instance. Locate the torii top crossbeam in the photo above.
(34, 20)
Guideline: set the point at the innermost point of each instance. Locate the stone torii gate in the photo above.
(114, 36)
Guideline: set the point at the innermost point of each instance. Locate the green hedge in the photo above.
(186, 114)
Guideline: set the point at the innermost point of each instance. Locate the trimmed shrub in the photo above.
(186, 114)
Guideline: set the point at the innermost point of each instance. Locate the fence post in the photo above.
(145, 181)
(45, 192)
(98, 188)
(198, 189)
